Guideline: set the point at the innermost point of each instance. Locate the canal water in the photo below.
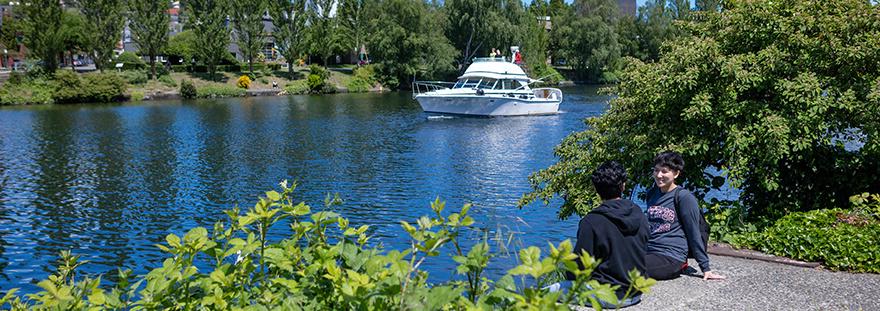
(108, 182)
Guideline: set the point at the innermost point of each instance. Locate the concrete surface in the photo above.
(759, 285)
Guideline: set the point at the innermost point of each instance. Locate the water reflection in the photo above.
(109, 182)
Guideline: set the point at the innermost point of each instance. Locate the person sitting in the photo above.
(615, 233)
(673, 237)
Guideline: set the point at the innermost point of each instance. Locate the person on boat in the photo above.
(493, 53)
(674, 216)
(517, 58)
(615, 233)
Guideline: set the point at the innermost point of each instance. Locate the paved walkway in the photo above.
(758, 285)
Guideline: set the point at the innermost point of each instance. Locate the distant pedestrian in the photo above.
(274, 84)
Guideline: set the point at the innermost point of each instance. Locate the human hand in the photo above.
(709, 275)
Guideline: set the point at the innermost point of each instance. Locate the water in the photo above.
(110, 181)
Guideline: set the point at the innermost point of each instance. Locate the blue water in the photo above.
(110, 181)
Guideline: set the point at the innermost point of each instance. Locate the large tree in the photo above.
(410, 43)
(324, 38)
(354, 22)
(467, 27)
(73, 33)
(776, 99)
(289, 18)
(42, 31)
(247, 17)
(590, 43)
(207, 19)
(106, 20)
(149, 28)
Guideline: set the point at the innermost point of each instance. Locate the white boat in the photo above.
(489, 87)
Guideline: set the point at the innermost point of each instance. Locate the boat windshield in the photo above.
(487, 83)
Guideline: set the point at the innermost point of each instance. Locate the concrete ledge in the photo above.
(721, 249)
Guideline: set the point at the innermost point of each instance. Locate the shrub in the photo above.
(220, 90)
(27, 92)
(135, 76)
(244, 82)
(326, 263)
(317, 80)
(363, 79)
(179, 68)
(298, 87)
(130, 61)
(841, 239)
(546, 73)
(137, 96)
(188, 90)
(167, 81)
(71, 87)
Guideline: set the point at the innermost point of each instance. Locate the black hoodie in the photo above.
(616, 233)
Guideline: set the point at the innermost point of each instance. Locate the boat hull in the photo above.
(491, 106)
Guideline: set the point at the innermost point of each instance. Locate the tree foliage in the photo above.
(323, 35)
(207, 19)
(779, 99)
(106, 20)
(73, 34)
(289, 18)
(247, 16)
(411, 43)
(590, 41)
(149, 28)
(42, 25)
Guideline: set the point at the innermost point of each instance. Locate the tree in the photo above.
(289, 18)
(590, 42)
(467, 26)
(410, 43)
(354, 20)
(149, 28)
(207, 19)
(73, 33)
(323, 36)
(106, 22)
(181, 47)
(42, 31)
(709, 5)
(778, 100)
(10, 31)
(681, 9)
(248, 20)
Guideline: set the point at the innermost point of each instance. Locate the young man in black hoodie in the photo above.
(616, 233)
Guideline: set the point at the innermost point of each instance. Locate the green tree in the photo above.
(181, 46)
(708, 5)
(106, 21)
(324, 39)
(354, 22)
(73, 33)
(42, 31)
(467, 27)
(410, 43)
(10, 31)
(778, 99)
(590, 42)
(289, 18)
(149, 28)
(681, 9)
(207, 19)
(247, 16)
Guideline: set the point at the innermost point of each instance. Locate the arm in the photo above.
(585, 239)
(690, 213)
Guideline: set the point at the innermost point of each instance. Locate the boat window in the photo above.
(487, 83)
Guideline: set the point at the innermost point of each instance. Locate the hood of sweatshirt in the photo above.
(621, 213)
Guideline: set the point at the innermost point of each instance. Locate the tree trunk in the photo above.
(251, 64)
(72, 66)
(290, 69)
(153, 66)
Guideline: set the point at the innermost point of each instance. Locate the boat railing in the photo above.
(419, 87)
(548, 93)
(490, 59)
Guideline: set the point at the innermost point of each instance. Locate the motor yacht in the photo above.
(489, 87)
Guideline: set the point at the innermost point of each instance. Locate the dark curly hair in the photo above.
(608, 179)
(669, 159)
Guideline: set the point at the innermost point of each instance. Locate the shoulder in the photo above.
(686, 195)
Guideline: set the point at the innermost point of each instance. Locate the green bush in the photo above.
(179, 68)
(326, 263)
(135, 76)
(843, 240)
(167, 81)
(220, 90)
(130, 61)
(137, 96)
(317, 80)
(548, 74)
(27, 92)
(71, 87)
(298, 87)
(188, 90)
(363, 79)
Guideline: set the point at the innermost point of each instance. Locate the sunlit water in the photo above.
(110, 181)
